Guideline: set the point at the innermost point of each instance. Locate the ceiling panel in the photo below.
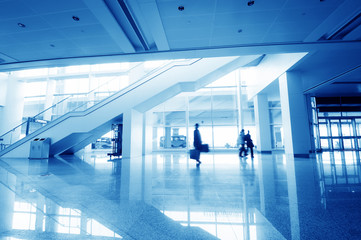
(33, 23)
(187, 22)
(189, 34)
(241, 6)
(240, 31)
(14, 9)
(304, 14)
(85, 31)
(313, 3)
(65, 19)
(246, 18)
(285, 37)
(38, 36)
(8, 40)
(96, 42)
(231, 41)
(53, 6)
(191, 8)
(292, 27)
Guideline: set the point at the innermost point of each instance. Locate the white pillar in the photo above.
(50, 90)
(294, 115)
(261, 112)
(132, 134)
(148, 132)
(12, 112)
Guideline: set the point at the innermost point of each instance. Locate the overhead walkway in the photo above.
(75, 130)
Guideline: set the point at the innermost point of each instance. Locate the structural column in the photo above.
(13, 110)
(50, 90)
(294, 115)
(262, 121)
(132, 134)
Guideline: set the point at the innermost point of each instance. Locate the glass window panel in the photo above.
(35, 88)
(358, 127)
(77, 69)
(334, 129)
(223, 99)
(324, 144)
(332, 114)
(323, 130)
(276, 116)
(224, 117)
(336, 143)
(225, 136)
(346, 128)
(176, 118)
(25, 221)
(32, 72)
(158, 119)
(348, 143)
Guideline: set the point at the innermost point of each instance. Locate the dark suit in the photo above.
(197, 143)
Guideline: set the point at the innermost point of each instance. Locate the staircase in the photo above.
(74, 130)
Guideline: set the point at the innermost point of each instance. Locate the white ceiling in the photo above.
(134, 30)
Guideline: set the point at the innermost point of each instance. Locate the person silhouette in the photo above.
(241, 142)
(197, 142)
(249, 143)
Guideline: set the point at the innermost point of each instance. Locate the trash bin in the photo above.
(39, 148)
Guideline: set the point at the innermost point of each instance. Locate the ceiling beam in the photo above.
(107, 20)
(239, 50)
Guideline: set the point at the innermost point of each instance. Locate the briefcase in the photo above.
(194, 154)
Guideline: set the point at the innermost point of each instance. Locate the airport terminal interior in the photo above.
(99, 101)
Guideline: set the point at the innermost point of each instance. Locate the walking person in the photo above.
(197, 142)
(241, 142)
(249, 143)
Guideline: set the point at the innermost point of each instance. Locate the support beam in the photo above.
(262, 122)
(294, 115)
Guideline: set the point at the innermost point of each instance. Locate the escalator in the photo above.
(76, 129)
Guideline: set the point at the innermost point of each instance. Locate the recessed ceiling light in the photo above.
(75, 18)
(181, 8)
(250, 3)
(21, 25)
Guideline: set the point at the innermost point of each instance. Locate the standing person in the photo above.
(249, 142)
(197, 143)
(241, 141)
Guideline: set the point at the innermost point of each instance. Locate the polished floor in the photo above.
(167, 196)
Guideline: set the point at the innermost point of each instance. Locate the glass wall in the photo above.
(214, 107)
(335, 127)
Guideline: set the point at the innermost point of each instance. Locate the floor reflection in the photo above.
(273, 196)
(24, 211)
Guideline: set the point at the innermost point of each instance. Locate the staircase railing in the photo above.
(68, 104)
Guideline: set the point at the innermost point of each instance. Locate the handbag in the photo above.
(204, 148)
(194, 154)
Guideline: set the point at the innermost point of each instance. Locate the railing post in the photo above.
(28, 126)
